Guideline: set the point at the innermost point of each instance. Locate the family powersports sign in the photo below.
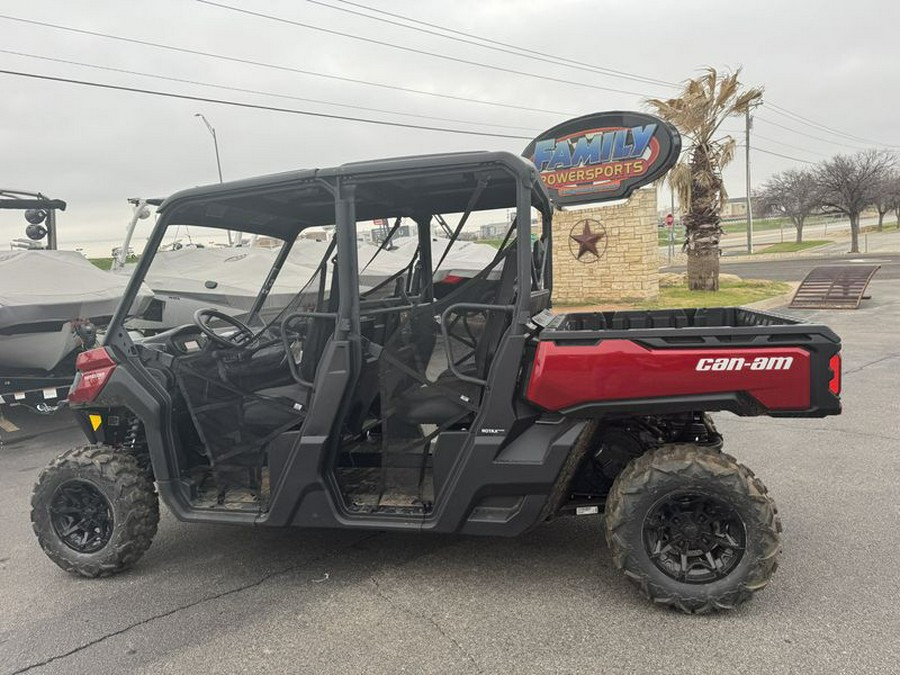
(603, 156)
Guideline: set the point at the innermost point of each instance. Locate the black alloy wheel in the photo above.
(81, 516)
(694, 538)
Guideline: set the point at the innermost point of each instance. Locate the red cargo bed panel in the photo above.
(565, 376)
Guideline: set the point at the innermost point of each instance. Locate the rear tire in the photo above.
(94, 511)
(694, 529)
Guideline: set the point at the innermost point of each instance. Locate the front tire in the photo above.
(693, 528)
(94, 511)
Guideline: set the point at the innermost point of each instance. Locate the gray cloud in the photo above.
(95, 148)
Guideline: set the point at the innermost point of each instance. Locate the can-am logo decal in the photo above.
(603, 156)
(739, 363)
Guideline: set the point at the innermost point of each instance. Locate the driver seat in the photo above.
(279, 406)
(276, 406)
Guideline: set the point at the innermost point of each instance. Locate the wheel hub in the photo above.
(81, 516)
(690, 531)
(694, 538)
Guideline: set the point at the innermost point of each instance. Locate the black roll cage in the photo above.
(341, 185)
(300, 460)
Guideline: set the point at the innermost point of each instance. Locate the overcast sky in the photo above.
(832, 62)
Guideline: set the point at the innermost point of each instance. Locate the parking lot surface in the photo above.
(213, 599)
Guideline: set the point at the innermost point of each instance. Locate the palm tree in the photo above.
(698, 112)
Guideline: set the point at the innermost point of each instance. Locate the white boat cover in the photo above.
(230, 279)
(53, 286)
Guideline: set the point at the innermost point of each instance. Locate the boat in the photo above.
(226, 279)
(188, 276)
(52, 304)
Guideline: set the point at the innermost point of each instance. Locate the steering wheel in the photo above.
(240, 339)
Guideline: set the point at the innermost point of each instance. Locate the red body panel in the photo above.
(564, 376)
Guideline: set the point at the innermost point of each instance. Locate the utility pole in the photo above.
(749, 208)
(672, 227)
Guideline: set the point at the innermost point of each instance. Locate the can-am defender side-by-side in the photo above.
(460, 405)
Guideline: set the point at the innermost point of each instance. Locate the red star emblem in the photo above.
(587, 241)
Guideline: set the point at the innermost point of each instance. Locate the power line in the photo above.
(789, 145)
(256, 106)
(784, 112)
(257, 91)
(554, 58)
(494, 45)
(275, 66)
(412, 50)
(776, 109)
(803, 133)
(778, 154)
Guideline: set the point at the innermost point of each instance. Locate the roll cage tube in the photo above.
(347, 260)
(115, 336)
(270, 279)
(523, 253)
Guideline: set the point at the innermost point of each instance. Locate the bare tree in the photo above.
(893, 194)
(794, 194)
(885, 195)
(850, 183)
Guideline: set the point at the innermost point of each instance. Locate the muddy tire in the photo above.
(694, 529)
(94, 511)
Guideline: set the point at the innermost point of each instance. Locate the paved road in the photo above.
(225, 600)
(736, 242)
(794, 269)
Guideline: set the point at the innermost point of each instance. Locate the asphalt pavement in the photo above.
(213, 599)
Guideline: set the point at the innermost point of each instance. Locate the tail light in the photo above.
(835, 365)
(93, 370)
(452, 279)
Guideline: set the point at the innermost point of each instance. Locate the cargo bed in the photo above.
(663, 361)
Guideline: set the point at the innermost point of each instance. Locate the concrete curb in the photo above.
(776, 301)
(814, 252)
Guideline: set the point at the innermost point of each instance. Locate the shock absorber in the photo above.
(135, 444)
(134, 425)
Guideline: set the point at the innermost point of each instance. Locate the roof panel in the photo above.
(281, 204)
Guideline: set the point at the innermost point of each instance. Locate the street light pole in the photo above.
(212, 131)
(215, 141)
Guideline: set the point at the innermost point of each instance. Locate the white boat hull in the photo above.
(39, 351)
